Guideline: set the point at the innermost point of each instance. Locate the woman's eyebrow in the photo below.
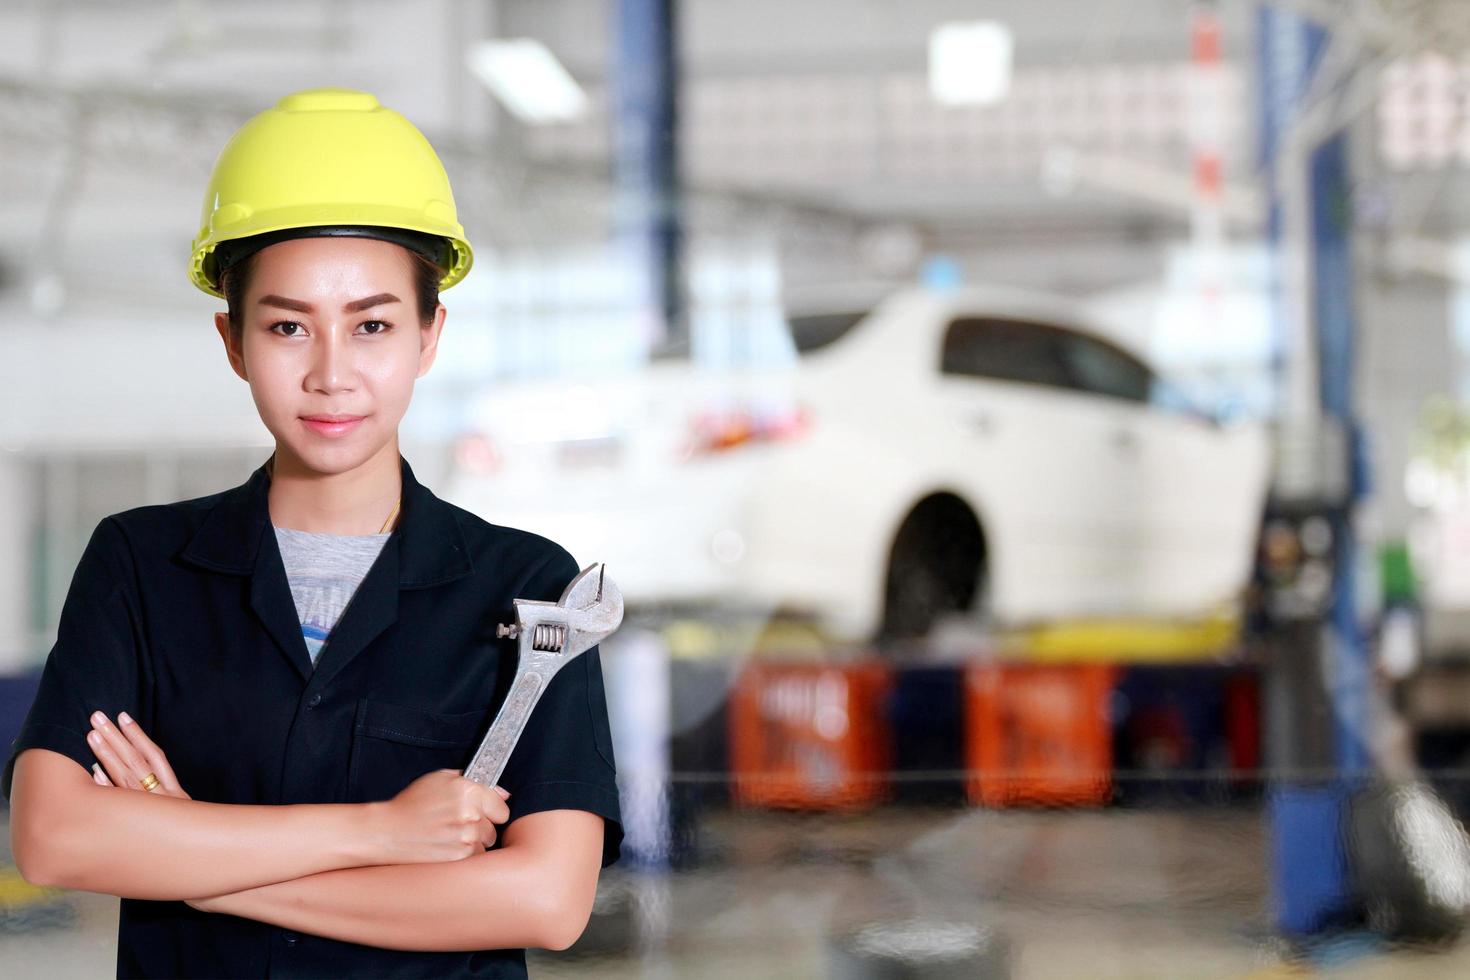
(285, 304)
(366, 303)
(369, 302)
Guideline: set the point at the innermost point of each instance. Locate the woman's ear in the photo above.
(429, 340)
(233, 349)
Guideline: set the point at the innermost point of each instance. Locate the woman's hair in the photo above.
(235, 280)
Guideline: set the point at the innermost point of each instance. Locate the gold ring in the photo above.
(149, 781)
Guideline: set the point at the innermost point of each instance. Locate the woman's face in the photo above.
(330, 330)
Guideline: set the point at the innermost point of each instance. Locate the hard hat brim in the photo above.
(205, 264)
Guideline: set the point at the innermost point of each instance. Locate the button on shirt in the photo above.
(181, 614)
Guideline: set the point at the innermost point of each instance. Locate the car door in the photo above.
(1204, 484)
(1113, 387)
(1036, 452)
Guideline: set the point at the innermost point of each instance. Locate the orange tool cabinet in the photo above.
(1038, 733)
(810, 735)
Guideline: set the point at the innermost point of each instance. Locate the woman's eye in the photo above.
(290, 328)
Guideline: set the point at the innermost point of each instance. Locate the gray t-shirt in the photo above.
(324, 571)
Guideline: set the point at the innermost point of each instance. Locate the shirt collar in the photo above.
(431, 543)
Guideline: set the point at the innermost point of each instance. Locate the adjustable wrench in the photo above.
(551, 634)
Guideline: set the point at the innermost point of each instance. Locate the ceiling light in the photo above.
(528, 80)
(970, 63)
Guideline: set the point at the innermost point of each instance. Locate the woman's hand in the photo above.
(441, 816)
(127, 755)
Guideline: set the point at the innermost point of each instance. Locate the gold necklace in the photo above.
(392, 515)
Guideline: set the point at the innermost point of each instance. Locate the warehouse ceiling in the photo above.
(816, 113)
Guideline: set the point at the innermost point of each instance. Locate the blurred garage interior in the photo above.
(1032, 440)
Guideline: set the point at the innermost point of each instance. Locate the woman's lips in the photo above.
(332, 429)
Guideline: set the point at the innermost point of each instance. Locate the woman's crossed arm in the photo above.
(68, 832)
(536, 890)
(109, 836)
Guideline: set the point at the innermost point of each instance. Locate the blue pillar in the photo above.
(647, 211)
(1332, 301)
(1311, 886)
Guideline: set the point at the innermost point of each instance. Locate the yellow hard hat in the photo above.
(329, 158)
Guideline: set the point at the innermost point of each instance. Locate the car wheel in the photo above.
(936, 570)
(917, 595)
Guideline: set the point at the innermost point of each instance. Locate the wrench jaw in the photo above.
(589, 610)
(597, 607)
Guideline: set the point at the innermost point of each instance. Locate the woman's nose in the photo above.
(331, 366)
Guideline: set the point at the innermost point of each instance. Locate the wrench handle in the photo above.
(490, 758)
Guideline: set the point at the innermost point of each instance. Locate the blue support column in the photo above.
(649, 234)
(1349, 674)
(1311, 883)
(645, 120)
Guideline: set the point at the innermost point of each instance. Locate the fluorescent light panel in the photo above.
(528, 80)
(970, 63)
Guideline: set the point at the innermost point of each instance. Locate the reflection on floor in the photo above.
(1172, 893)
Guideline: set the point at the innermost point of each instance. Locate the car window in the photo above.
(1102, 369)
(1167, 396)
(1007, 350)
(813, 331)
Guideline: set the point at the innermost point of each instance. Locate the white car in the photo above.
(979, 453)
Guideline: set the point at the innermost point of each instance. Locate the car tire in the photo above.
(916, 595)
(935, 570)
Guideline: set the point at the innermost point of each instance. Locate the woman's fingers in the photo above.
(121, 747)
(153, 755)
(117, 769)
(98, 776)
(128, 755)
(493, 806)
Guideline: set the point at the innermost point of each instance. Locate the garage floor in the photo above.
(1025, 894)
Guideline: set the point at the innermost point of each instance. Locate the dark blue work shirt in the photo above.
(181, 615)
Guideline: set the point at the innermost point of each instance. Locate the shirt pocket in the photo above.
(394, 744)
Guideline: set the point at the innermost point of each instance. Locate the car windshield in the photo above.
(813, 331)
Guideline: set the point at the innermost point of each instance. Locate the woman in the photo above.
(275, 778)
